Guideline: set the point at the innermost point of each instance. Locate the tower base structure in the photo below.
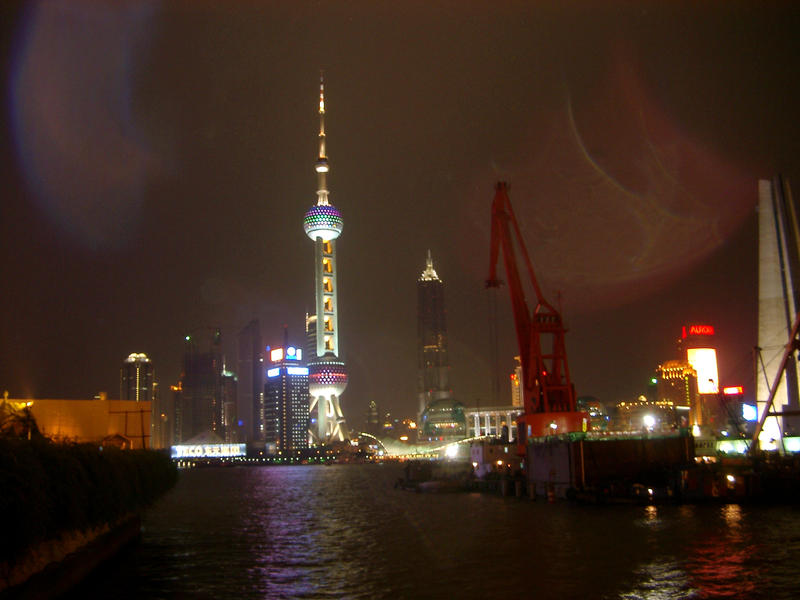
(327, 377)
(330, 424)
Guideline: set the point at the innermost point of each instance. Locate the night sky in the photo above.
(157, 158)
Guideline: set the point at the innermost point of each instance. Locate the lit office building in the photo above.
(697, 347)
(136, 378)
(286, 400)
(676, 383)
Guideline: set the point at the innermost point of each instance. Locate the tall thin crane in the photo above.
(547, 390)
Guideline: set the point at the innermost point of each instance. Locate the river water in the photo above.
(345, 532)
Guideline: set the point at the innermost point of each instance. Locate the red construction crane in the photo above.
(547, 391)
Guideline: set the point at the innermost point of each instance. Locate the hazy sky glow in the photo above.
(157, 160)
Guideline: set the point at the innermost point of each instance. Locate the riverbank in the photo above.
(70, 502)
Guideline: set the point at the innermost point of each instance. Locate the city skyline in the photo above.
(633, 173)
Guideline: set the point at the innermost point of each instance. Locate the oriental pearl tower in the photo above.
(327, 377)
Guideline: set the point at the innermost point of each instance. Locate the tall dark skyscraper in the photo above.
(250, 391)
(286, 399)
(433, 382)
(200, 398)
(136, 378)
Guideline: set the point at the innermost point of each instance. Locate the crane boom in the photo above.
(547, 390)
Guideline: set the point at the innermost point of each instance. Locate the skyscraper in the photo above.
(327, 372)
(250, 390)
(286, 399)
(433, 373)
(199, 399)
(137, 383)
(697, 347)
(136, 378)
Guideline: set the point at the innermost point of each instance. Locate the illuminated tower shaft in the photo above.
(327, 373)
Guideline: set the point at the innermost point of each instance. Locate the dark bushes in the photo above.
(47, 489)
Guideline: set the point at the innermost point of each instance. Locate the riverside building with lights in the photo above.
(676, 383)
(327, 376)
(286, 400)
(696, 346)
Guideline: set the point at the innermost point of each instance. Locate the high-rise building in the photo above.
(199, 398)
(136, 378)
(433, 372)
(137, 383)
(327, 372)
(778, 304)
(250, 390)
(229, 414)
(676, 384)
(516, 383)
(697, 348)
(286, 399)
(372, 421)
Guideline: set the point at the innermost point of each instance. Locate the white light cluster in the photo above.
(208, 450)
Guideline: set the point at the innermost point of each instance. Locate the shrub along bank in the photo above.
(47, 489)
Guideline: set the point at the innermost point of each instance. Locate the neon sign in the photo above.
(208, 450)
(290, 353)
(689, 330)
(735, 390)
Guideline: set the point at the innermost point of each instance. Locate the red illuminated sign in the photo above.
(733, 390)
(688, 330)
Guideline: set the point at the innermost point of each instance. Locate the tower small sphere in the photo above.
(327, 376)
(323, 221)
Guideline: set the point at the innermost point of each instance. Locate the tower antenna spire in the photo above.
(322, 166)
(321, 116)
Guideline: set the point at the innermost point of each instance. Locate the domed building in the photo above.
(443, 420)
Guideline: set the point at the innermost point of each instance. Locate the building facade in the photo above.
(286, 406)
(676, 383)
(698, 348)
(433, 362)
(200, 394)
(136, 378)
(250, 389)
(327, 372)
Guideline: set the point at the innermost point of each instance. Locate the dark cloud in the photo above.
(158, 160)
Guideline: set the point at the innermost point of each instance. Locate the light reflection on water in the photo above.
(345, 532)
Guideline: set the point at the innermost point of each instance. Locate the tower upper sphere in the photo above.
(323, 221)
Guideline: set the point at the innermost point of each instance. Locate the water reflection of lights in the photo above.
(723, 565)
(732, 513)
(661, 579)
(650, 519)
